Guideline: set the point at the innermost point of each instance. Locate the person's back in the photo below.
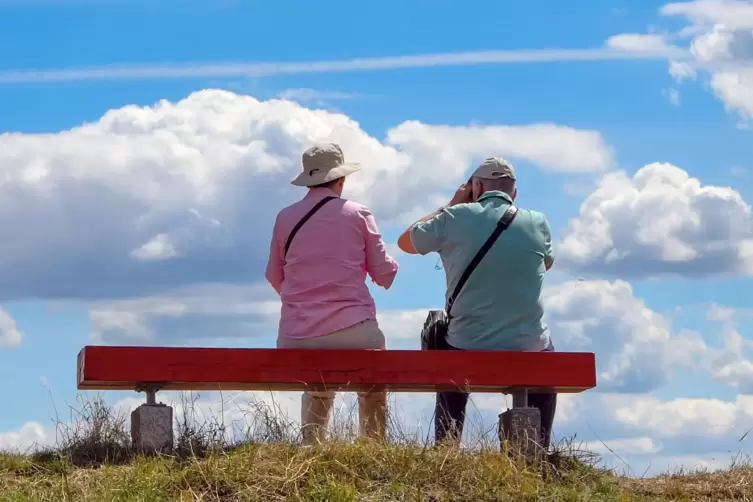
(321, 251)
(325, 270)
(499, 307)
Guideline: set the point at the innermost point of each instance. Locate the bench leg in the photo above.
(520, 428)
(152, 426)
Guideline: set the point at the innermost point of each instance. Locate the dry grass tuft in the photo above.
(735, 483)
(264, 461)
(94, 434)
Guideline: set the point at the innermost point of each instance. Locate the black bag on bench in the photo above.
(434, 333)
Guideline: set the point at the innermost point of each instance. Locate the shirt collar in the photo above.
(320, 193)
(495, 193)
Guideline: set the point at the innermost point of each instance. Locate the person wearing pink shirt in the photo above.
(322, 249)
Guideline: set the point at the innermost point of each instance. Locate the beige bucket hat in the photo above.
(323, 163)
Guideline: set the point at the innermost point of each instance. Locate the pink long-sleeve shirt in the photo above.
(322, 281)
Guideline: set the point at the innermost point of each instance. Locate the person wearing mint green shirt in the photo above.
(500, 307)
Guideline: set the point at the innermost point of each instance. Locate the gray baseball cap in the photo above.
(494, 168)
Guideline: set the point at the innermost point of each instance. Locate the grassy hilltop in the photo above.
(93, 462)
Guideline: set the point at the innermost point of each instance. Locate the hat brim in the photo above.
(304, 180)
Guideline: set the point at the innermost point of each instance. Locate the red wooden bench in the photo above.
(152, 369)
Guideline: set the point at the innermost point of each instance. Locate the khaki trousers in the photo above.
(316, 406)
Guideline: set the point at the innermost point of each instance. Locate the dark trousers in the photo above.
(449, 412)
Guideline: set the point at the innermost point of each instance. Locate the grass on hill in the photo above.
(93, 461)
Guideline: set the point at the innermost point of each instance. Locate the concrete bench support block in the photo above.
(521, 429)
(152, 428)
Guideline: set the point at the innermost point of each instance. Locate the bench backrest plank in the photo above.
(194, 368)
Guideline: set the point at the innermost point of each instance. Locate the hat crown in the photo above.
(322, 158)
(322, 163)
(495, 168)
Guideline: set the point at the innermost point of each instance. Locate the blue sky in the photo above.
(580, 97)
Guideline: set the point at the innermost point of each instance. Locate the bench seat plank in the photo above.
(231, 369)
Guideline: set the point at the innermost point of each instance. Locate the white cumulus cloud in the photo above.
(660, 221)
(158, 248)
(636, 349)
(150, 198)
(731, 363)
(720, 43)
(215, 313)
(30, 436)
(10, 335)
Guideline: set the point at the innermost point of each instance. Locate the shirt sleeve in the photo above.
(275, 274)
(429, 236)
(546, 232)
(379, 264)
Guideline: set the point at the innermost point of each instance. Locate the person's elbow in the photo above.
(548, 264)
(385, 275)
(274, 280)
(405, 243)
(385, 280)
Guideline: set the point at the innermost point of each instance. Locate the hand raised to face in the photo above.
(463, 195)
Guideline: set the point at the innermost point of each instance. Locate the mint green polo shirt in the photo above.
(499, 308)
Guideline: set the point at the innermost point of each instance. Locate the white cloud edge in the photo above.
(10, 334)
(719, 41)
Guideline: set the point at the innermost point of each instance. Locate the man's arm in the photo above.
(381, 266)
(548, 250)
(405, 242)
(275, 274)
(428, 233)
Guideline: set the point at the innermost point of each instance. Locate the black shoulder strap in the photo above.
(502, 225)
(298, 225)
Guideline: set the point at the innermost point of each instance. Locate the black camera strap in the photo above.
(298, 225)
(502, 225)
